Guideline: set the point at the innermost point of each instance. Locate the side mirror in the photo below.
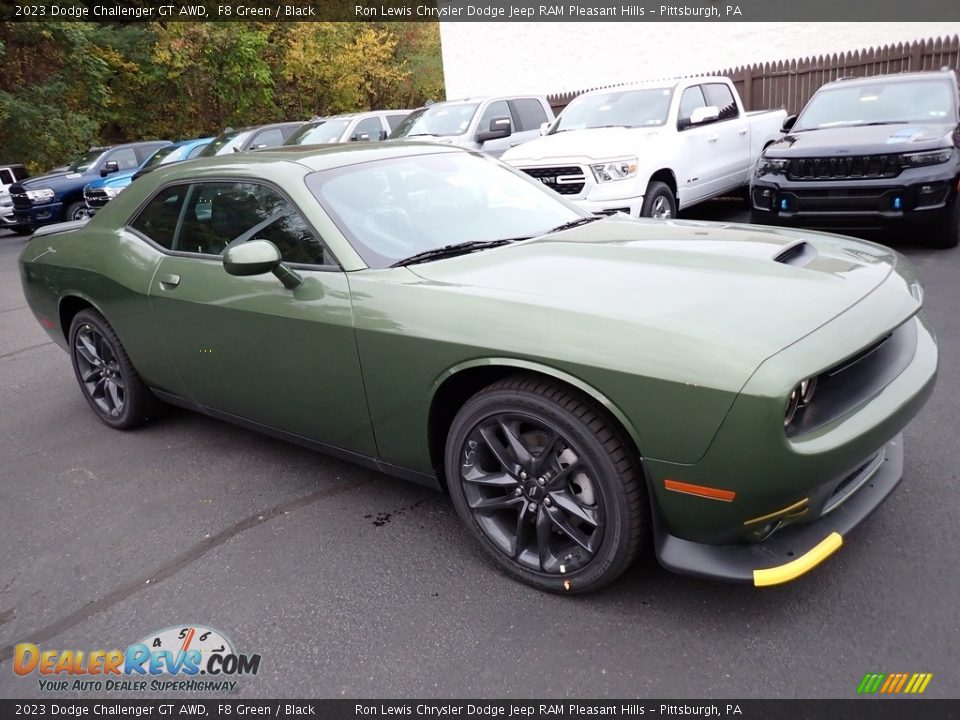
(257, 257)
(544, 128)
(702, 115)
(500, 127)
(111, 166)
(788, 123)
(361, 137)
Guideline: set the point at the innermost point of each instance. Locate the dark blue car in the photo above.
(58, 196)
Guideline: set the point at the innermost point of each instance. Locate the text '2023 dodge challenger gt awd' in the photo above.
(579, 385)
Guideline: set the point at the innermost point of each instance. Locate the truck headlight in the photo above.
(772, 166)
(112, 192)
(930, 157)
(41, 196)
(615, 170)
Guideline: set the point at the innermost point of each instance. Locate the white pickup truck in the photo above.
(649, 150)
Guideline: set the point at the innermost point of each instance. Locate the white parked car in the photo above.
(372, 125)
(649, 150)
(491, 124)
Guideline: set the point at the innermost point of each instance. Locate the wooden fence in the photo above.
(790, 83)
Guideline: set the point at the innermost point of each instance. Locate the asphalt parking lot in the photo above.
(353, 584)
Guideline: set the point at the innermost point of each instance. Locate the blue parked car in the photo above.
(58, 196)
(101, 191)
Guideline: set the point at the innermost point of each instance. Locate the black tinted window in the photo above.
(530, 113)
(691, 99)
(394, 120)
(6, 177)
(494, 110)
(20, 173)
(268, 138)
(220, 214)
(720, 97)
(158, 220)
(126, 158)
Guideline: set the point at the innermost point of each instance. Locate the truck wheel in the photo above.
(949, 234)
(658, 202)
(75, 211)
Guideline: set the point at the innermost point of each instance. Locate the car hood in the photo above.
(598, 143)
(863, 140)
(121, 179)
(55, 180)
(718, 290)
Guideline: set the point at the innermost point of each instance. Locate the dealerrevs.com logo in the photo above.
(185, 658)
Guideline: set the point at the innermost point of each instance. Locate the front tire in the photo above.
(948, 235)
(659, 202)
(546, 484)
(109, 382)
(75, 211)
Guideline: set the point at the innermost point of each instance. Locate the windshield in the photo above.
(392, 209)
(86, 162)
(916, 101)
(317, 133)
(226, 143)
(442, 120)
(625, 108)
(161, 156)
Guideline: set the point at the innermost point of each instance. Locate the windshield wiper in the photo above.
(573, 224)
(455, 249)
(882, 122)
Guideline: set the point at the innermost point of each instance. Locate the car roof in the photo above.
(893, 77)
(322, 157)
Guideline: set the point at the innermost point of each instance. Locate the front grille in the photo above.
(96, 198)
(844, 200)
(19, 197)
(566, 180)
(859, 167)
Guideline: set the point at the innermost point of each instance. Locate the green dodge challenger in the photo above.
(579, 385)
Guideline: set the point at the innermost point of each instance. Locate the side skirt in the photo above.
(420, 478)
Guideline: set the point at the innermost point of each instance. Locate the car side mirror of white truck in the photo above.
(544, 128)
(710, 113)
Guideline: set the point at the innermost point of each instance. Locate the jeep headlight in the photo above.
(772, 166)
(930, 157)
(41, 196)
(615, 170)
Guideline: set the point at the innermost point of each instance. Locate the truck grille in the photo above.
(19, 197)
(860, 167)
(96, 198)
(566, 180)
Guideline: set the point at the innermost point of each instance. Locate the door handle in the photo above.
(742, 132)
(712, 138)
(518, 142)
(170, 281)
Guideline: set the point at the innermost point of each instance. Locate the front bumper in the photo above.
(920, 197)
(628, 206)
(796, 550)
(37, 215)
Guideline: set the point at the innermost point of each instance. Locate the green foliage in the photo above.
(69, 85)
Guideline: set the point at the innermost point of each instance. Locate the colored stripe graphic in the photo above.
(894, 683)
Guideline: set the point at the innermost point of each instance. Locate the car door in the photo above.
(733, 131)
(498, 146)
(699, 164)
(247, 346)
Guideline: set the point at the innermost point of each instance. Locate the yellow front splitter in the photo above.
(803, 564)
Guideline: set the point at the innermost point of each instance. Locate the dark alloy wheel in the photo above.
(550, 490)
(75, 211)
(107, 378)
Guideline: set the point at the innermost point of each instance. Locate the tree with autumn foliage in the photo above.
(69, 85)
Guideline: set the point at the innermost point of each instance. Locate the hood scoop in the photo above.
(798, 254)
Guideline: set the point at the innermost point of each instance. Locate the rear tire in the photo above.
(109, 382)
(659, 202)
(546, 484)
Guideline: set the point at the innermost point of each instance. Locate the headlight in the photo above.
(772, 166)
(41, 196)
(931, 157)
(112, 192)
(800, 397)
(616, 170)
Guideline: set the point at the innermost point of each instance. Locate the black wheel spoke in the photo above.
(86, 348)
(498, 449)
(114, 395)
(568, 502)
(564, 525)
(521, 538)
(550, 451)
(563, 477)
(520, 452)
(544, 531)
(90, 375)
(501, 502)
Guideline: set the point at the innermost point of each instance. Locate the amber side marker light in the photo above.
(700, 490)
